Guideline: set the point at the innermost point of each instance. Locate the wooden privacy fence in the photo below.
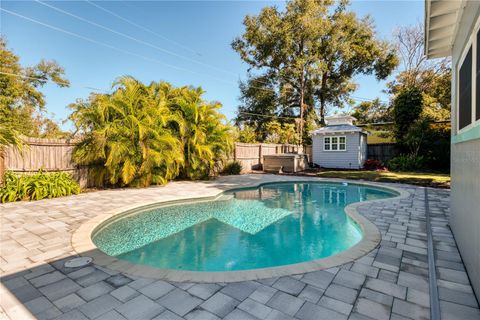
(56, 155)
(382, 151)
(50, 155)
(250, 155)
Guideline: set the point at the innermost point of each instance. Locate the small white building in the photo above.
(340, 144)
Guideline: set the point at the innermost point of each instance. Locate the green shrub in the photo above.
(233, 168)
(406, 162)
(37, 186)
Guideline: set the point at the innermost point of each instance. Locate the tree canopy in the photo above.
(374, 111)
(22, 105)
(310, 53)
(431, 77)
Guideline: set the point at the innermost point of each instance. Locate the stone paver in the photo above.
(390, 282)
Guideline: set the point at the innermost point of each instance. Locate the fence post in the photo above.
(235, 151)
(2, 165)
(260, 154)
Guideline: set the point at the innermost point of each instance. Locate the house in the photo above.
(452, 29)
(340, 144)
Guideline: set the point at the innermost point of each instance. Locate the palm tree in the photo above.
(143, 134)
(206, 139)
(9, 136)
(126, 136)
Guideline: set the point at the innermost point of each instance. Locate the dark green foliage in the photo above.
(232, 168)
(37, 186)
(407, 108)
(406, 162)
(22, 104)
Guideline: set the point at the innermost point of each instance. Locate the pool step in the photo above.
(225, 197)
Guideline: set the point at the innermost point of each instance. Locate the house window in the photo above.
(465, 92)
(477, 95)
(468, 83)
(335, 143)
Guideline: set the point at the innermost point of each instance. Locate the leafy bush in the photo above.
(373, 164)
(406, 162)
(233, 168)
(37, 186)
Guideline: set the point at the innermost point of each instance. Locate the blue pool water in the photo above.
(272, 225)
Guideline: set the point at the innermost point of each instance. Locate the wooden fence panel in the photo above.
(45, 154)
(56, 155)
(382, 151)
(50, 155)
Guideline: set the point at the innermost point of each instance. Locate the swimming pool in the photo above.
(272, 225)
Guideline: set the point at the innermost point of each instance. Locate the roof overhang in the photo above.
(442, 18)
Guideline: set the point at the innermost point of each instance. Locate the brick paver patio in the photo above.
(391, 282)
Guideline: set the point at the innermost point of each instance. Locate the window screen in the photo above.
(326, 143)
(465, 92)
(342, 143)
(477, 95)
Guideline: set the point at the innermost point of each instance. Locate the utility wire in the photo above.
(119, 49)
(110, 46)
(131, 38)
(149, 44)
(51, 81)
(167, 51)
(143, 28)
(266, 115)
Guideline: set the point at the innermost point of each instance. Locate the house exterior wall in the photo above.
(465, 164)
(348, 159)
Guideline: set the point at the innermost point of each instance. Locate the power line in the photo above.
(66, 83)
(164, 50)
(143, 28)
(126, 51)
(109, 46)
(266, 115)
(132, 38)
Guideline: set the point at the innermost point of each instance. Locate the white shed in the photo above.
(340, 144)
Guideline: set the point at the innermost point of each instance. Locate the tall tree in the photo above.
(258, 105)
(372, 112)
(407, 108)
(22, 105)
(431, 77)
(313, 49)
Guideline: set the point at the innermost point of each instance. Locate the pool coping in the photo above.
(83, 245)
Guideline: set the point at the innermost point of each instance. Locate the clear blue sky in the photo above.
(202, 31)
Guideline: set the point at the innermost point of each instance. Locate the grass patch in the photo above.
(428, 179)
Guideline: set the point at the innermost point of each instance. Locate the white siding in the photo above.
(363, 149)
(348, 159)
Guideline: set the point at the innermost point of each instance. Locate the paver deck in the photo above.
(391, 282)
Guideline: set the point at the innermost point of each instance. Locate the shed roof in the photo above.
(338, 129)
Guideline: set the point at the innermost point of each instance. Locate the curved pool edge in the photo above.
(83, 245)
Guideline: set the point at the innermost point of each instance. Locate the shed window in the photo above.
(335, 143)
(465, 92)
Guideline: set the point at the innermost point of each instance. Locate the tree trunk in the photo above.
(302, 107)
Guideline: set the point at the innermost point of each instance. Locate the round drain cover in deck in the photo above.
(78, 262)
